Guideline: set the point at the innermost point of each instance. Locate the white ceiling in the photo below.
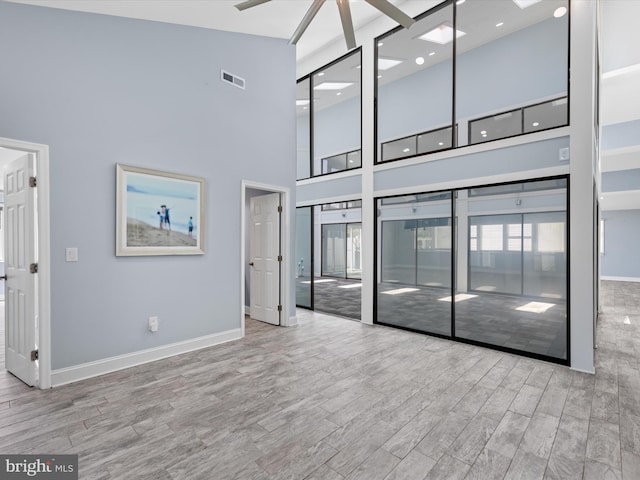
(277, 18)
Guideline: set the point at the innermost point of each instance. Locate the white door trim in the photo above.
(286, 320)
(44, 254)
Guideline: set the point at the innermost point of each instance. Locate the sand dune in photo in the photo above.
(140, 234)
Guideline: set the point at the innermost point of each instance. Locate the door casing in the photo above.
(287, 319)
(41, 153)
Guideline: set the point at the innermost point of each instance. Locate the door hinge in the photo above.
(279, 308)
(33, 182)
(33, 268)
(279, 258)
(279, 208)
(34, 355)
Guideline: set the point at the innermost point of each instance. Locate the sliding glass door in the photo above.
(505, 255)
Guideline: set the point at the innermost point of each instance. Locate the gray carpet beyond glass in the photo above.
(484, 317)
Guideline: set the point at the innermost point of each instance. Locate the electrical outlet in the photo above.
(564, 154)
(71, 254)
(153, 324)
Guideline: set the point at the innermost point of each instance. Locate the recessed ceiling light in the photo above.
(321, 74)
(302, 102)
(442, 34)
(380, 44)
(379, 76)
(525, 3)
(339, 93)
(387, 63)
(358, 67)
(305, 108)
(484, 135)
(332, 85)
(406, 150)
(420, 60)
(483, 132)
(602, 198)
(432, 54)
(535, 124)
(560, 11)
(440, 143)
(460, 2)
(499, 24)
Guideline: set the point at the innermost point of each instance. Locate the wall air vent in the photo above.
(234, 80)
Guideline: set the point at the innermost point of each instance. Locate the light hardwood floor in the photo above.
(333, 399)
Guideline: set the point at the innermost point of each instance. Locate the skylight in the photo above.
(387, 63)
(332, 85)
(442, 34)
(525, 3)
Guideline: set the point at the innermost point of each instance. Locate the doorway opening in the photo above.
(24, 222)
(265, 260)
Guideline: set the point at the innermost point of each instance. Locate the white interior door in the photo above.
(264, 252)
(20, 286)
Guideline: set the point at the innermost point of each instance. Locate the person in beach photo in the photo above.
(190, 225)
(161, 218)
(167, 220)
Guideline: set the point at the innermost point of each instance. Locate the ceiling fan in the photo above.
(384, 6)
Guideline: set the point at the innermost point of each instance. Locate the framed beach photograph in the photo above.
(158, 213)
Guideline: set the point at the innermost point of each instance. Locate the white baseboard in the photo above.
(293, 321)
(592, 372)
(621, 279)
(76, 373)
(247, 310)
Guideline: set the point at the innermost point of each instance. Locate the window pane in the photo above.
(435, 140)
(414, 254)
(303, 257)
(492, 128)
(508, 57)
(415, 86)
(336, 163)
(515, 296)
(546, 115)
(336, 112)
(493, 268)
(354, 159)
(337, 285)
(354, 253)
(404, 147)
(334, 248)
(545, 267)
(303, 135)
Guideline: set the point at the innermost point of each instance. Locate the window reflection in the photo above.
(501, 48)
(510, 254)
(337, 115)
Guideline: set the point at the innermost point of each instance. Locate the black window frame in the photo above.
(377, 157)
(454, 233)
(355, 51)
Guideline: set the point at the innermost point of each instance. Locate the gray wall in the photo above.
(529, 156)
(620, 135)
(100, 90)
(621, 256)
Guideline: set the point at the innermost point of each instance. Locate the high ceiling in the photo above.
(277, 18)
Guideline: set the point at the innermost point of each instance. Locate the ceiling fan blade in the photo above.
(313, 10)
(347, 23)
(250, 3)
(393, 12)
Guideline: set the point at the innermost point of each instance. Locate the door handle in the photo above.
(251, 264)
(3, 277)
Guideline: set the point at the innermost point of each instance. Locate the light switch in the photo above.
(72, 254)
